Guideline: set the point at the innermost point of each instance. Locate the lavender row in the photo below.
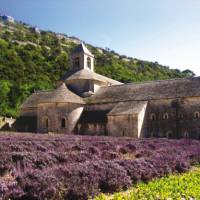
(77, 167)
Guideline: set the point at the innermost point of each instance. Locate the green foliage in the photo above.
(30, 61)
(5, 87)
(184, 186)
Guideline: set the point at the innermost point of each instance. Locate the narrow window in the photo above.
(76, 63)
(89, 62)
(123, 133)
(165, 116)
(47, 123)
(153, 116)
(186, 134)
(196, 115)
(63, 123)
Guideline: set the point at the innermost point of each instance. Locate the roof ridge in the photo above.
(152, 81)
(41, 91)
(82, 48)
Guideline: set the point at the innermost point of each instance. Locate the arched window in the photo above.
(45, 122)
(89, 62)
(196, 115)
(165, 116)
(63, 123)
(76, 63)
(186, 134)
(169, 134)
(153, 116)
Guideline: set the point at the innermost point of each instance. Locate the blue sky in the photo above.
(167, 31)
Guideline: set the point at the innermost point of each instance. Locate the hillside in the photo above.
(34, 60)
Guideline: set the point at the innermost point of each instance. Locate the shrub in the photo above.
(78, 167)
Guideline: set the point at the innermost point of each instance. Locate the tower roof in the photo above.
(35, 98)
(89, 75)
(62, 95)
(82, 48)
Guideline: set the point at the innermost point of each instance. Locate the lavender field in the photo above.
(38, 167)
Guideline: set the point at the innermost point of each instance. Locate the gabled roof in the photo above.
(60, 95)
(126, 108)
(86, 74)
(174, 88)
(82, 48)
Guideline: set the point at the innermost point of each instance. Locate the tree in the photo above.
(5, 87)
(188, 73)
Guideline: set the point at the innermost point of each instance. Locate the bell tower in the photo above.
(82, 58)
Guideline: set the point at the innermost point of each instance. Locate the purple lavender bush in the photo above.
(37, 167)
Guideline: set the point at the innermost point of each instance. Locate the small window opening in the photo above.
(153, 116)
(89, 62)
(196, 115)
(186, 134)
(169, 134)
(47, 123)
(63, 123)
(165, 116)
(123, 133)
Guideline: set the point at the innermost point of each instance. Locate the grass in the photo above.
(174, 187)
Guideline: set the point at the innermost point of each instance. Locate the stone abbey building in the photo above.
(88, 103)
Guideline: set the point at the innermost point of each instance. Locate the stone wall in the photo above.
(142, 122)
(127, 119)
(172, 118)
(81, 86)
(81, 60)
(25, 124)
(31, 111)
(95, 128)
(73, 118)
(123, 125)
(50, 116)
(93, 120)
(180, 122)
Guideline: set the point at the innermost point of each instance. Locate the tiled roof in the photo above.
(60, 95)
(82, 48)
(89, 75)
(33, 100)
(166, 89)
(130, 107)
